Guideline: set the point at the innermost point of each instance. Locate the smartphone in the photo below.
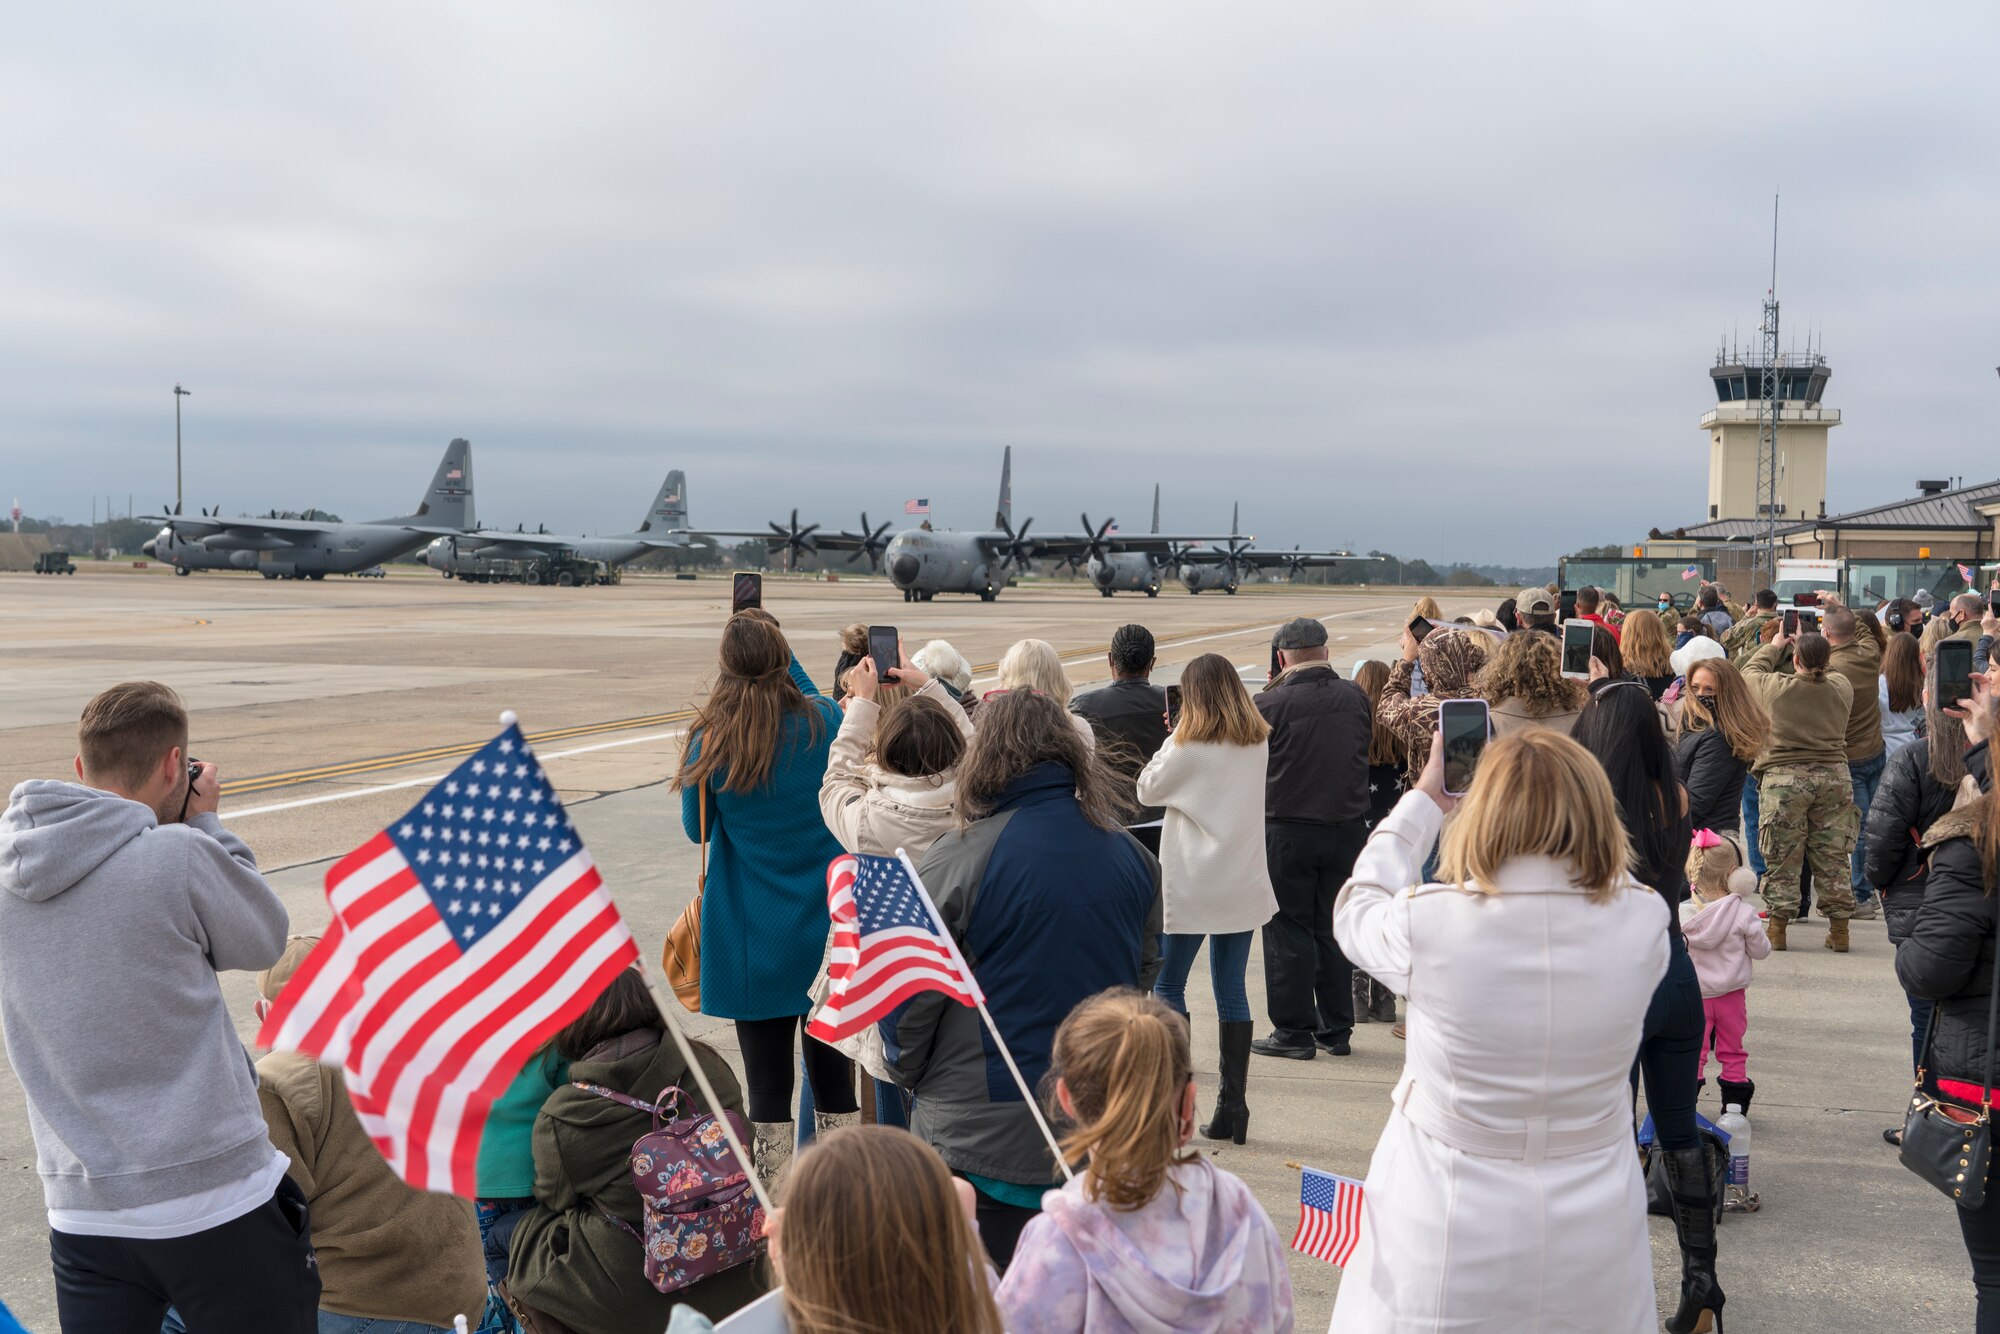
(1462, 726)
(1993, 602)
(1808, 621)
(886, 647)
(1791, 620)
(1419, 627)
(1576, 649)
(748, 592)
(1566, 605)
(1173, 707)
(1805, 599)
(1954, 672)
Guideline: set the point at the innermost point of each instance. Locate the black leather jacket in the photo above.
(1949, 955)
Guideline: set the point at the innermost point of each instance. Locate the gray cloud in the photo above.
(1439, 279)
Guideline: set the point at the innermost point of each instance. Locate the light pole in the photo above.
(179, 394)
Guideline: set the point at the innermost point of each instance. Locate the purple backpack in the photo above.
(701, 1217)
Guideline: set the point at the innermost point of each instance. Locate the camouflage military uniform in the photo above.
(1807, 811)
(1747, 635)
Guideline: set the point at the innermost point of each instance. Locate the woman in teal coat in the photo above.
(758, 747)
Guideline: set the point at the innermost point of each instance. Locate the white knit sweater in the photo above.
(1213, 873)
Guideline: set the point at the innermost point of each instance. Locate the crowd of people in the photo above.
(1578, 924)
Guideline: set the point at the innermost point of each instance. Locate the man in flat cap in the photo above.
(1315, 821)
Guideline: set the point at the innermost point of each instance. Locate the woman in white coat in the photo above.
(1209, 778)
(1504, 1194)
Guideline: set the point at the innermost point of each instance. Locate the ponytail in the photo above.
(1123, 1058)
(1810, 656)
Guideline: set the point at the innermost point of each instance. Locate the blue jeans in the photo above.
(1920, 1022)
(1228, 959)
(329, 1323)
(1750, 825)
(1867, 776)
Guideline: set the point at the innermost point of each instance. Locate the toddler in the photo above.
(1723, 935)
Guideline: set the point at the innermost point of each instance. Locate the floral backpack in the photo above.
(701, 1215)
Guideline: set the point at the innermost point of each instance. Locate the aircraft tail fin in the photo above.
(1003, 517)
(1156, 507)
(670, 509)
(448, 501)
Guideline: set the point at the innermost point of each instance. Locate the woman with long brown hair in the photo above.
(1209, 778)
(1150, 1234)
(1051, 900)
(1901, 693)
(1373, 1002)
(1723, 730)
(749, 781)
(1648, 650)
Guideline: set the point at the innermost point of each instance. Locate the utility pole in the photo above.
(179, 394)
(1769, 405)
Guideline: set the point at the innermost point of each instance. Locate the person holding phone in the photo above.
(1529, 970)
(1208, 778)
(1805, 798)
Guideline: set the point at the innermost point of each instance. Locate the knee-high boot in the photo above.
(1232, 1109)
(1692, 1190)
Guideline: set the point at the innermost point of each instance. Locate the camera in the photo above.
(194, 772)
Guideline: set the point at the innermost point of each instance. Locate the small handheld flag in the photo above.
(1329, 1216)
(917, 506)
(1967, 573)
(886, 947)
(1691, 572)
(463, 936)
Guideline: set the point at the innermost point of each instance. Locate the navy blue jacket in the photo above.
(1049, 910)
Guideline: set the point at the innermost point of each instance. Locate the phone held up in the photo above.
(1173, 707)
(1462, 728)
(1577, 637)
(1419, 627)
(747, 592)
(1791, 621)
(1954, 672)
(885, 646)
(1566, 605)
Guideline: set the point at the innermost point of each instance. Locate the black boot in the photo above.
(1232, 1112)
(1692, 1192)
(1383, 1008)
(1738, 1094)
(1364, 996)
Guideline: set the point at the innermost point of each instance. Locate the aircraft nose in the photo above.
(147, 546)
(1102, 574)
(903, 570)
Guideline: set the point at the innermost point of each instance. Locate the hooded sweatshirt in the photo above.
(1723, 937)
(112, 930)
(1200, 1255)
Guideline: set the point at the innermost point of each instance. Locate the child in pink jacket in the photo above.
(1723, 935)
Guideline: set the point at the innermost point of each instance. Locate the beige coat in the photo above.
(1514, 715)
(872, 811)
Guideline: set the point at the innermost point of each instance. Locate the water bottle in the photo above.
(1737, 1195)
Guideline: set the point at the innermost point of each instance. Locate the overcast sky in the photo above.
(1444, 279)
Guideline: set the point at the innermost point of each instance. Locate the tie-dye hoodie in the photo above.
(1201, 1255)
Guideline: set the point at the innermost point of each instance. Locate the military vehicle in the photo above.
(54, 562)
(312, 548)
(563, 558)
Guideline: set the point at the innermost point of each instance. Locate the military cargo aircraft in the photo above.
(923, 562)
(1224, 567)
(1134, 571)
(472, 554)
(312, 548)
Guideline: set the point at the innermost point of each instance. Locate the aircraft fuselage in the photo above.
(1124, 572)
(1204, 578)
(923, 564)
(338, 549)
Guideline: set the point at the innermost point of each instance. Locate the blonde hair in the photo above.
(1035, 664)
(1647, 649)
(915, 1268)
(1216, 707)
(1426, 607)
(1709, 869)
(939, 659)
(1538, 794)
(1123, 1057)
(1528, 667)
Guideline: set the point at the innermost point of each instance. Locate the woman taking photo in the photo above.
(1514, 1090)
(1723, 730)
(889, 777)
(749, 781)
(1620, 727)
(1209, 779)
(1523, 686)
(1052, 900)
(1948, 960)
(1648, 651)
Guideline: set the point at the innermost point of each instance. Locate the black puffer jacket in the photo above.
(1907, 804)
(1948, 957)
(1713, 777)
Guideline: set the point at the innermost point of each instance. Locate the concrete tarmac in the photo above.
(1846, 1240)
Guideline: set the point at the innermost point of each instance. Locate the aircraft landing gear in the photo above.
(987, 595)
(1152, 592)
(926, 595)
(182, 571)
(317, 575)
(1105, 591)
(909, 595)
(1230, 589)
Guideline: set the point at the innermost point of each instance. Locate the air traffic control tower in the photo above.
(1734, 426)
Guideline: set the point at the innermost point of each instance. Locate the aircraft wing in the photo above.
(200, 527)
(823, 541)
(1159, 544)
(1272, 560)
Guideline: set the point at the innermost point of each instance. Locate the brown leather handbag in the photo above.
(681, 958)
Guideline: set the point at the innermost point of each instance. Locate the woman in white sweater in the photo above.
(1209, 778)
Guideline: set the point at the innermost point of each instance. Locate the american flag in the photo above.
(1691, 572)
(887, 947)
(455, 475)
(1329, 1216)
(917, 506)
(1967, 573)
(463, 936)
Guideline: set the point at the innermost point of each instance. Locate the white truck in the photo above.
(1807, 576)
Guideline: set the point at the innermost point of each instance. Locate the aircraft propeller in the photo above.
(1097, 550)
(1017, 549)
(792, 541)
(872, 541)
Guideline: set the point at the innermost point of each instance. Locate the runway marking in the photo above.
(382, 763)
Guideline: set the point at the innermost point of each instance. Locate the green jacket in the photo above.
(570, 1261)
(1861, 663)
(1808, 717)
(1744, 637)
(507, 1144)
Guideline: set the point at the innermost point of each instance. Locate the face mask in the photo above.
(1707, 701)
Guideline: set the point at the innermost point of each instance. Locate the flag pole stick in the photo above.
(979, 1001)
(665, 1004)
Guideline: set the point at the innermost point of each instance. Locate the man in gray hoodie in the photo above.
(121, 898)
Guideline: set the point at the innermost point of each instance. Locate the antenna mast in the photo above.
(1765, 563)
